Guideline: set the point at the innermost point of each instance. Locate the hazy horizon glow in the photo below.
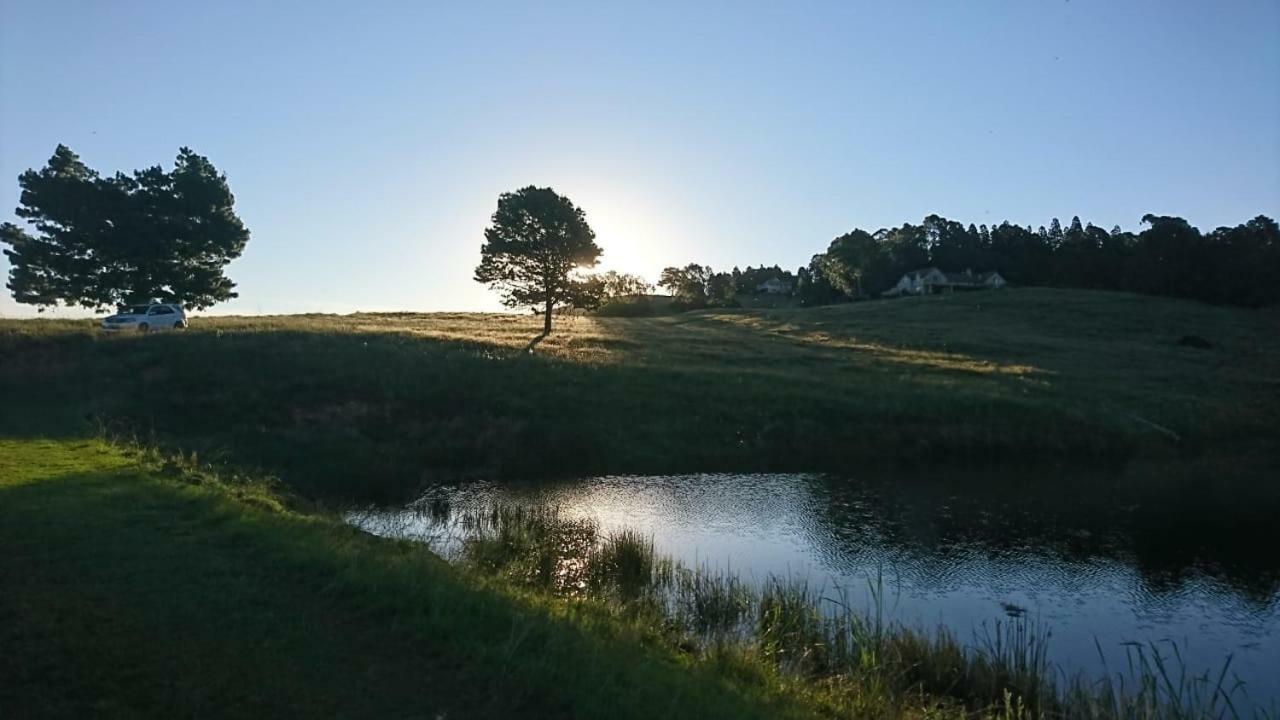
(367, 145)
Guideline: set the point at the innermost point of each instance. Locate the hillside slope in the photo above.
(371, 406)
(132, 593)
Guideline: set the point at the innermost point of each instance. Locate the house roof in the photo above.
(968, 277)
(961, 278)
(922, 271)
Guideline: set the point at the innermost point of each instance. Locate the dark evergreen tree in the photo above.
(536, 240)
(905, 249)
(1170, 257)
(721, 290)
(849, 259)
(98, 242)
(1076, 229)
(1169, 251)
(813, 287)
(688, 284)
(1055, 234)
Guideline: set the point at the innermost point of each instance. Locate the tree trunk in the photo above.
(546, 318)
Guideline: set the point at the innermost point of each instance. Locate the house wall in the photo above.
(935, 281)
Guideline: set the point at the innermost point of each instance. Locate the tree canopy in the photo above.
(536, 241)
(103, 241)
(1231, 265)
(617, 286)
(687, 284)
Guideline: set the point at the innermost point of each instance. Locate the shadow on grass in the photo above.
(534, 342)
(353, 415)
(132, 597)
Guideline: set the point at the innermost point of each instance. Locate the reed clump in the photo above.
(821, 641)
(622, 562)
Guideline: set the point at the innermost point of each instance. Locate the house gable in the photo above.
(930, 279)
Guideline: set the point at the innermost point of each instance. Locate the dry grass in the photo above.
(376, 405)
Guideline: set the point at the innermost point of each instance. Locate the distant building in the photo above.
(774, 286)
(932, 280)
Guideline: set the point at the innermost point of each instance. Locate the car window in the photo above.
(161, 310)
(134, 310)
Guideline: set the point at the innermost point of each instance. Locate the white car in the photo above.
(144, 318)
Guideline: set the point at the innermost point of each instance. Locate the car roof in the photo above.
(135, 306)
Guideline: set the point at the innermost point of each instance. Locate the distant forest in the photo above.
(1230, 265)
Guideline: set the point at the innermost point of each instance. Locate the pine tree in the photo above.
(536, 241)
(152, 235)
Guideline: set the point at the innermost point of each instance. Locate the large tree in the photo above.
(687, 284)
(850, 259)
(536, 242)
(102, 241)
(619, 286)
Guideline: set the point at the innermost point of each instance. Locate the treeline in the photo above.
(1234, 265)
(694, 286)
(690, 287)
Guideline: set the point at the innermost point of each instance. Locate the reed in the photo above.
(532, 545)
(707, 604)
(820, 639)
(623, 563)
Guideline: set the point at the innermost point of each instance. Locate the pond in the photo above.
(1100, 566)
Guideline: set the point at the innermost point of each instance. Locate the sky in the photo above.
(367, 142)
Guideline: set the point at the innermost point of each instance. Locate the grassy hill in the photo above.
(148, 585)
(373, 405)
(131, 591)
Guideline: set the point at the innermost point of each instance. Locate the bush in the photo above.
(626, 307)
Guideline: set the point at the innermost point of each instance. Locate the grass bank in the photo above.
(372, 407)
(135, 589)
(138, 588)
(135, 586)
(214, 583)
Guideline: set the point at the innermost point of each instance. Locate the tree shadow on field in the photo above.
(534, 342)
(353, 415)
(373, 409)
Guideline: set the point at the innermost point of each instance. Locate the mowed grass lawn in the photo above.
(373, 406)
(127, 593)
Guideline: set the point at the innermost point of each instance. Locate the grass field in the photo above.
(133, 585)
(371, 407)
(205, 576)
(126, 591)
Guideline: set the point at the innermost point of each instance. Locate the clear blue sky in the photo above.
(366, 143)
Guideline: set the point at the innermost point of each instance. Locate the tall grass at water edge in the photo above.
(817, 637)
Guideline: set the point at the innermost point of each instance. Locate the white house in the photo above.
(774, 286)
(992, 280)
(933, 280)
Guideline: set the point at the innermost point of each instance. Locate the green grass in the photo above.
(129, 591)
(373, 407)
(134, 587)
(844, 660)
(207, 579)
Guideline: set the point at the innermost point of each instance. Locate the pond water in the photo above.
(1096, 565)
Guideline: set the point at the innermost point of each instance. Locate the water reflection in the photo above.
(1089, 557)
